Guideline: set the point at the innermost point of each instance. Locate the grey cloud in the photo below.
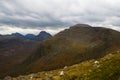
(32, 24)
(58, 13)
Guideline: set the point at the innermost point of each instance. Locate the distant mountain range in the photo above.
(79, 43)
(40, 37)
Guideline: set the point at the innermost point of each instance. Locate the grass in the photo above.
(106, 68)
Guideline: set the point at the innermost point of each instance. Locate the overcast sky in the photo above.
(32, 16)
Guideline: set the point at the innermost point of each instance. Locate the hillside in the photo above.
(106, 68)
(71, 46)
(78, 43)
(16, 48)
(13, 51)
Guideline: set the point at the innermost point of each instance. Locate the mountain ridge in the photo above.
(40, 37)
(72, 46)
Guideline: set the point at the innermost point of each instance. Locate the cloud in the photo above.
(54, 14)
(10, 29)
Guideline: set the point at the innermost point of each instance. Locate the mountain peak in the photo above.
(17, 34)
(43, 33)
(81, 25)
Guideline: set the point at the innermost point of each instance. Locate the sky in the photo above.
(33, 16)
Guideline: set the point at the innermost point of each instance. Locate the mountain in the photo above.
(105, 68)
(30, 36)
(17, 35)
(71, 46)
(40, 37)
(15, 48)
(13, 51)
(79, 43)
(6, 41)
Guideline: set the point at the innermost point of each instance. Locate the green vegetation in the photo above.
(106, 68)
(109, 69)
